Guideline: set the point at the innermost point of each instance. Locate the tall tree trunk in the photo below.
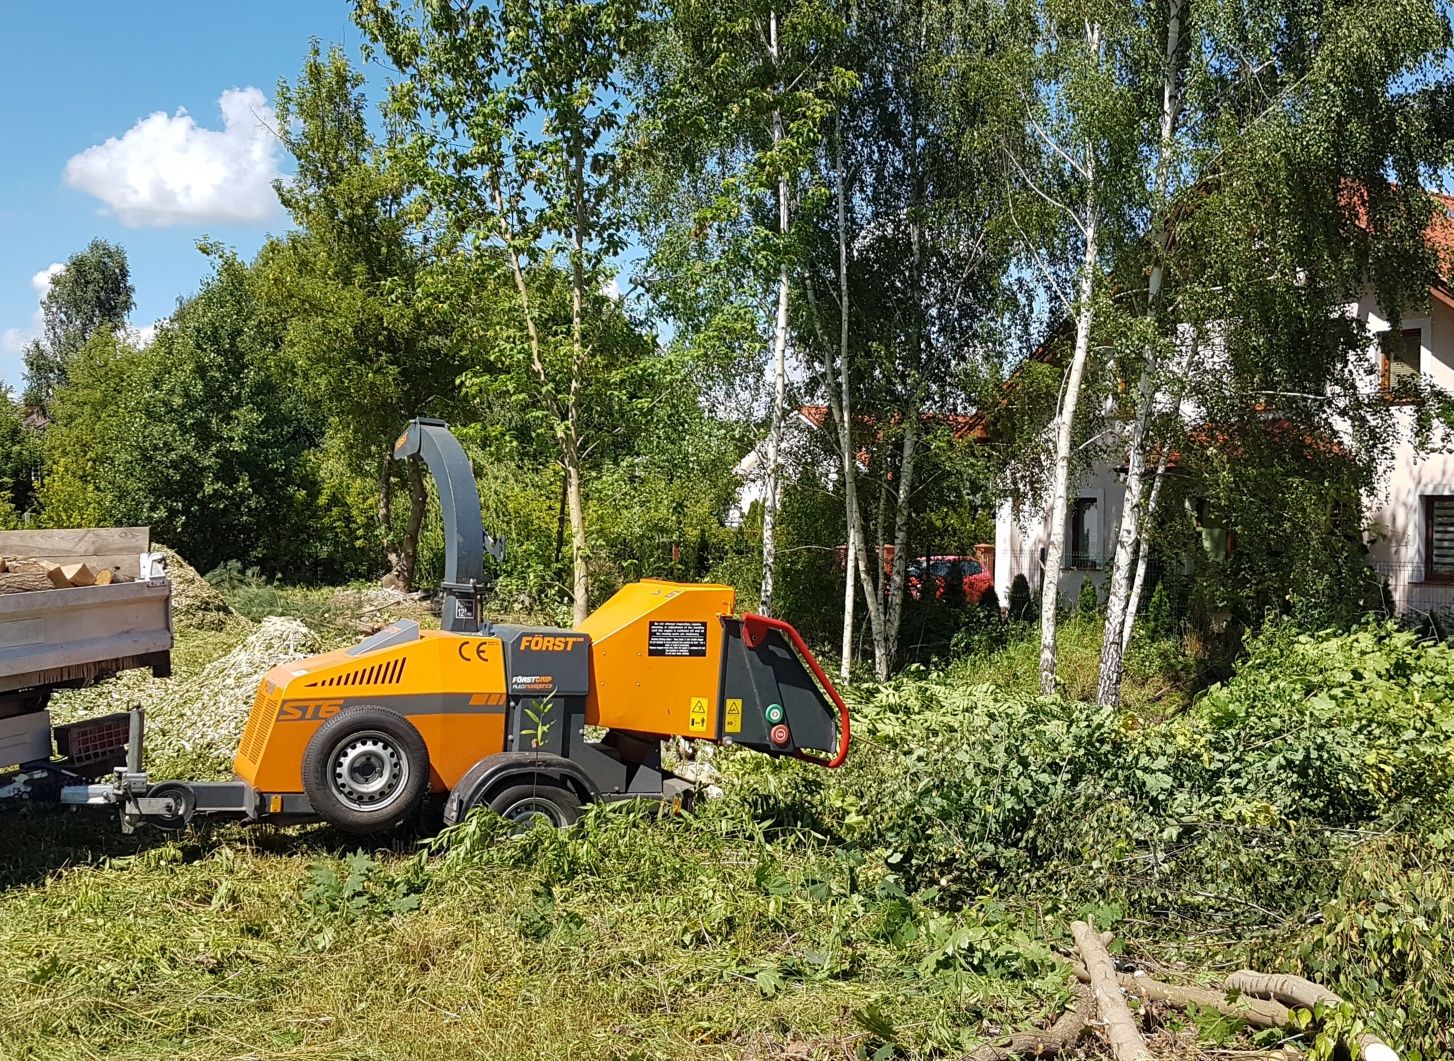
(1143, 557)
(780, 370)
(857, 555)
(418, 499)
(1114, 640)
(580, 582)
(773, 485)
(396, 577)
(883, 664)
(1065, 423)
(1064, 433)
(567, 418)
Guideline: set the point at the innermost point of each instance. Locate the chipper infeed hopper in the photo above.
(490, 714)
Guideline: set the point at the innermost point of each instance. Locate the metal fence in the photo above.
(1406, 592)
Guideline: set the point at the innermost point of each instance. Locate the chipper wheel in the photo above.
(526, 804)
(366, 770)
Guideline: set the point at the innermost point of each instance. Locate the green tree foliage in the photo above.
(512, 114)
(92, 292)
(197, 435)
(366, 348)
(732, 106)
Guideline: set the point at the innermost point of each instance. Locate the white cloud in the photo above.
(166, 169)
(13, 340)
(146, 333)
(41, 281)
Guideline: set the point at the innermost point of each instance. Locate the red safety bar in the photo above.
(754, 632)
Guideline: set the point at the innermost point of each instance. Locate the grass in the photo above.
(630, 937)
(711, 935)
(1160, 679)
(754, 927)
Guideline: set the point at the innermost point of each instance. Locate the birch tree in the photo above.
(1129, 558)
(1252, 121)
(1070, 210)
(906, 264)
(741, 91)
(514, 110)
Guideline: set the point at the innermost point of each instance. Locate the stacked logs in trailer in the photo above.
(19, 574)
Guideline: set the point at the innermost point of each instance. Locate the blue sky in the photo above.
(80, 76)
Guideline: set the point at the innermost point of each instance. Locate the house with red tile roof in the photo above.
(1408, 520)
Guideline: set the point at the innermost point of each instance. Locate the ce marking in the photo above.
(480, 651)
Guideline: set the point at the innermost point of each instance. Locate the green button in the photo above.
(774, 714)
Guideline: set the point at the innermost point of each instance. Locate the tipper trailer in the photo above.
(64, 638)
(533, 722)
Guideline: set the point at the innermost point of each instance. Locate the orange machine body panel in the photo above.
(450, 686)
(656, 658)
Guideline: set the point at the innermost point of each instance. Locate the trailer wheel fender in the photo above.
(495, 773)
(366, 769)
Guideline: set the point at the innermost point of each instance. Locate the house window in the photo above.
(1439, 539)
(1403, 364)
(1082, 537)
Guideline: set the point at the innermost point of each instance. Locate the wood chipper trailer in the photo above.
(497, 715)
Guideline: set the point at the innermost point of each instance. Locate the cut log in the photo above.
(104, 577)
(1120, 1024)
(1056, 1039)
(22, 575)
(1296, 991)
(78, 574)
(1258, 1012)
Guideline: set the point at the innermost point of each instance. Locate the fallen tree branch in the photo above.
(1056, 1039)
(1296, 991)
(1121, 1031)
(1258, 1012)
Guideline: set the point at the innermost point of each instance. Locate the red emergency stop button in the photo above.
(780, 735)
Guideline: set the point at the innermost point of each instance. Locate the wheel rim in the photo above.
(524, 813)
(368, 771)
(181, 814)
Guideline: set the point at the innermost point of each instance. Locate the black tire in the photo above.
(527, 803)
(184, 801)
(366, 770)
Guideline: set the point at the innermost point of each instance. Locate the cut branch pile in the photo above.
(24, 575)
(1260, 1000)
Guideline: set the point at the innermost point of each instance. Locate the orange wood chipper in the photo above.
(489, 714)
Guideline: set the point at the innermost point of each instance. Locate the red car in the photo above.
(975, 578)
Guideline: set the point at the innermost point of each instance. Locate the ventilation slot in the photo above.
(379, 674)
(264, 710)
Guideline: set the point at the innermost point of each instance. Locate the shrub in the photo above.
(1022, 606)
(1088, 603)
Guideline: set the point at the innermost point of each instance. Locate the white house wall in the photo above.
(1395, 508)
(1020, 535)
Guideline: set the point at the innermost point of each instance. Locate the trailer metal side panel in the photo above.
(59, 635)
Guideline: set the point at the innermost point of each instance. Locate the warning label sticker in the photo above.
(697, 716)
(676, 638)
(733, 722)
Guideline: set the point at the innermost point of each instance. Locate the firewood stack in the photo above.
(20, 574)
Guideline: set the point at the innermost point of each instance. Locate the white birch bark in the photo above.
(1065, 426)
(1116, 636)
(1065, 416)
(1143, 557)
(773, 476)
(901, 544)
